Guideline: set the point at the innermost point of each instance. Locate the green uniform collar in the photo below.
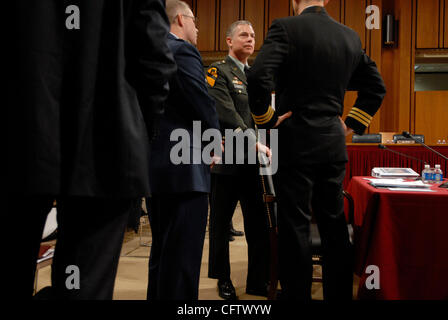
(238, 63)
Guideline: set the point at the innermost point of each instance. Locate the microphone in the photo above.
(382, 146)
(406, 134)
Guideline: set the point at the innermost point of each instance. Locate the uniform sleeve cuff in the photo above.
(357, 126)
(267, 120)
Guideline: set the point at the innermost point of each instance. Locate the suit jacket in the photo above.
(188, 101)
(78, 97)
(227, 84)
(313, 60)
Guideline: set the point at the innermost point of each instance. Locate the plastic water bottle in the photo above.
(438, 174)
(426, 174)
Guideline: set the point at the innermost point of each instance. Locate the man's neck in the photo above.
(243, 60)
(304, 6)
(177, 32)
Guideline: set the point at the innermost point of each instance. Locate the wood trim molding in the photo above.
(208, 57)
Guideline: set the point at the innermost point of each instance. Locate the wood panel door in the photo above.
(355, 18)
(431, 115)
(428, 20)
(229, 13)
(191, 4)
(374, 50)
(349, 101)
(334, 9)
(206, 12)
(445, 21)
(254, 12)
(278, 9)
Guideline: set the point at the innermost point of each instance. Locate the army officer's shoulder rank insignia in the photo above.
(212, 75)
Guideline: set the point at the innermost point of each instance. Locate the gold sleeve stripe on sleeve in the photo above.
(263, 115)
(264, 118)
(359, 116)
(359, 119)
(365, 114)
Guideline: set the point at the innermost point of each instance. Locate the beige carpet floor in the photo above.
(132, 277)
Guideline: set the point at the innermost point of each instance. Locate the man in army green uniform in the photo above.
(236, 182)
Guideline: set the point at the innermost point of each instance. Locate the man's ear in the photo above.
(229, 42)
(180, 20)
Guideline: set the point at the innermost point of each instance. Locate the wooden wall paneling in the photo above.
(397, 112)
(229, 12)
(428, 20)
(254, 12)
(266, 18)
(406, 57)
(278, 9)
(432, 115)
(355, 17)
(389, 71)
(441, 22)
(349, 101)
(334, 9)
(445, 20)
(191, 4)
(375, 52)
(413, 45)
(207, 15)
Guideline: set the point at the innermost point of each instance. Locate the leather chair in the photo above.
(316, 243)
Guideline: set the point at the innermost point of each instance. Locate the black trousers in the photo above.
(303, 191)
(89, 238)
(178, 223)
(227, 190)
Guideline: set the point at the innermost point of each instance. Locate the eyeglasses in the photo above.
(195, 20)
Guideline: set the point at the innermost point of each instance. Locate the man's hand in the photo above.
(283, 118)
(264, 149)
(348, 131)
(216, 159)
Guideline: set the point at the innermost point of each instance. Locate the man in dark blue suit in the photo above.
(179, 203)
(79, 107)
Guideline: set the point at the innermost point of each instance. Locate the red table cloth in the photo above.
(404, 234)
(362, 158)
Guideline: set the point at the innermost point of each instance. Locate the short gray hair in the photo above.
(233, 26)
(174, 7)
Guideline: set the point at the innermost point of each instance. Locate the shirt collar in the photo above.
(314, 9)
(174, 35)
(313, 5)
(239, 63)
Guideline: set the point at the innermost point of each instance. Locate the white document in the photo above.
(411, 189)
(397, 183)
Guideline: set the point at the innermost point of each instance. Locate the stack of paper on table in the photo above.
(394, 173)
(398, 183)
